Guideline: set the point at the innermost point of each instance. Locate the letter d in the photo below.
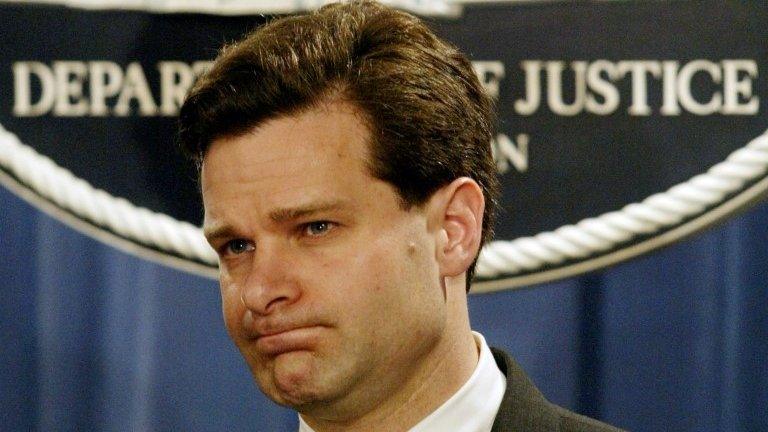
(22, 89)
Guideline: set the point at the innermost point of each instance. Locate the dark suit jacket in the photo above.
(524, 408)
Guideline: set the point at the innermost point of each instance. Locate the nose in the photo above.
(271, 283)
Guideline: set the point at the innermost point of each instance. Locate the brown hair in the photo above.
(430, 120)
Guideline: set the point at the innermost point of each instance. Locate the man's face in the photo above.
(330, 289)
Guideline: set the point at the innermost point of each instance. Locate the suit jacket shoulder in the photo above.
(524, 408)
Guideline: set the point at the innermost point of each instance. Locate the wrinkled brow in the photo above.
(292, 213)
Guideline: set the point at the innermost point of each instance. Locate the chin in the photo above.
(292, 380)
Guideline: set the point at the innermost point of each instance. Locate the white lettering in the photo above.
(669, 106)
(23, 106)
(100, 88)
(175, 80)
(733, 87)
(70, 77)
(555, 87)
(505, 151)
(595, 90)
(528, 106)
(135, 87)
(490, 74)
(638, 71)
(684, 87)
(601, 87)
(106, 81)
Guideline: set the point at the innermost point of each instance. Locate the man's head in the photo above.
(430, 120)
(345, 173)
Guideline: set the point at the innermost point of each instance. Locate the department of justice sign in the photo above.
(622, 127)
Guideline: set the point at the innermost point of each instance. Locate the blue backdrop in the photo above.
(96, 339)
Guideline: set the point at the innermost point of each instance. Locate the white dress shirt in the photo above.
(473, 407)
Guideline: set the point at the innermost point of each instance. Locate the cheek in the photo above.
(400, 309)
(391, 276)
(347, 285)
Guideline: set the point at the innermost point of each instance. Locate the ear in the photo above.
(458, 216)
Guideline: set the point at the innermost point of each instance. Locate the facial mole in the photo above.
(411, 248)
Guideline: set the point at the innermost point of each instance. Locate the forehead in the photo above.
(335, 125)
(290, 158)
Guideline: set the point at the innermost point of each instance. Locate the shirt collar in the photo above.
(473, 407)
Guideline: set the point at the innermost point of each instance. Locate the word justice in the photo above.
(700, 87)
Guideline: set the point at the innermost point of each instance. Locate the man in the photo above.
(348, 186)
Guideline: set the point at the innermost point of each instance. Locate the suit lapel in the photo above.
(523, 407)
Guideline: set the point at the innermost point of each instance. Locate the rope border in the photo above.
(659, 211)
(117, 215)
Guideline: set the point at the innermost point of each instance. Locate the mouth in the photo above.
(296, 339)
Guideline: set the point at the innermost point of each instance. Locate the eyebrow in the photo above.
(292, 213)
(280, 215)
(218, 231)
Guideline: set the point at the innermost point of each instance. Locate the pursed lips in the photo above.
(282, 340)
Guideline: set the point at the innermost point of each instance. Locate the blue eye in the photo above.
(314, 229)
(237, 246)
